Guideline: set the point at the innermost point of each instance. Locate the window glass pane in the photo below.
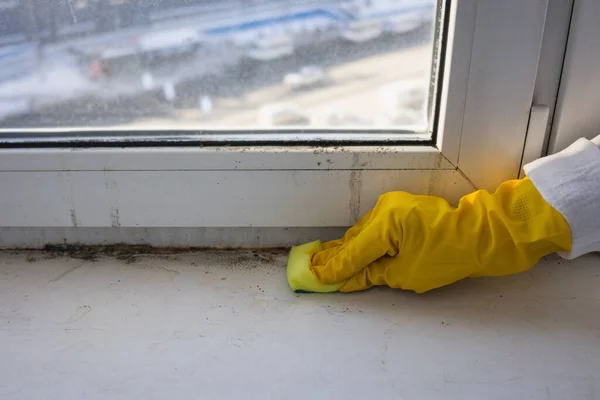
(216, 64)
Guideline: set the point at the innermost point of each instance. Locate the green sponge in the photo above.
(299, 275)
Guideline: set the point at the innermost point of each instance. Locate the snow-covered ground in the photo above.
(56, 80)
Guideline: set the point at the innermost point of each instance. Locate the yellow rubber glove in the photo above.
(421, 243)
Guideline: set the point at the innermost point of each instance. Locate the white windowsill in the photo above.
(225, 325)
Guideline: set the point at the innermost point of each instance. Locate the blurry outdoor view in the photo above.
(215, 64)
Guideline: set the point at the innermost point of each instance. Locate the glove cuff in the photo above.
(570, 182)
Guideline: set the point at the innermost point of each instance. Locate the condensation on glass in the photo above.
(216, 64)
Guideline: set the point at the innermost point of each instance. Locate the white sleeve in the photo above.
(570, 182)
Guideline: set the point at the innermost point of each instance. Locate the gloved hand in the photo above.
(421, 243)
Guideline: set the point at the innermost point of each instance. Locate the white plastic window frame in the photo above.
(576, 113)
(491, 63)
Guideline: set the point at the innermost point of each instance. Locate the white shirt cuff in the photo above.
(570, 182)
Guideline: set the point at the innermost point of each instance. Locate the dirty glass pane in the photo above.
(216, 64)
